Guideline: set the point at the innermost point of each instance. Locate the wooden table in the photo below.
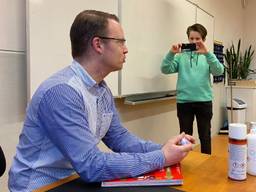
(202, 172)
(209, 173)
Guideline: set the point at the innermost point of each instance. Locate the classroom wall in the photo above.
(12, 61)
(161, 121)
(156, 121)
(229, 18)
(13, 87)
(250, 30)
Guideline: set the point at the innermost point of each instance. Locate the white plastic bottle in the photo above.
(251, 156)
(237, 151)
(253, 124)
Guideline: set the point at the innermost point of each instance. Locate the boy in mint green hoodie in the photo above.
(194, 90)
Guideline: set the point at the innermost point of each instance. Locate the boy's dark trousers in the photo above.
(203, 113)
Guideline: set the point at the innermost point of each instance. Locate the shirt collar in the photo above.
(85, 76)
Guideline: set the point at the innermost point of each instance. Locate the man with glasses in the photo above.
(74, 110)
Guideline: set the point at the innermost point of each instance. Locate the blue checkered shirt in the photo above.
(66, 119)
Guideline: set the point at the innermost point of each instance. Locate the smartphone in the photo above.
(188, 47)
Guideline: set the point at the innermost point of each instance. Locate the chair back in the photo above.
(2, 162)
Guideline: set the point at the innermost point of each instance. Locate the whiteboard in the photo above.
(151, 27)
(12, 22)
(207, 21)
(48, 43)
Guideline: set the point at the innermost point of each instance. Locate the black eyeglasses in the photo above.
(122, 41)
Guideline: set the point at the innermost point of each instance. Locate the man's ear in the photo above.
(97, 45)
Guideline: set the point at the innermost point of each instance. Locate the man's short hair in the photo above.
(198, 28)
(88, 24)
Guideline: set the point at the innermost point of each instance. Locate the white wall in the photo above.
(162, 122)
(228, 16)
(250, 28)
(12, 61)
(12, 77)
(155, 121)
(229, 27)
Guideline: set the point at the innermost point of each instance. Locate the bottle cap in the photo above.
(253, 124)
(253, 131)
(237, 131)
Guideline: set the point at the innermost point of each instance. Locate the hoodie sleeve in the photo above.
(170, 63)
(216, 68)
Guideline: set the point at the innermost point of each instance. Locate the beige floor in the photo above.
(9, 134)
(219, 146)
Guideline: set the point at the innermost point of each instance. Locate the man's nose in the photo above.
(125, 49)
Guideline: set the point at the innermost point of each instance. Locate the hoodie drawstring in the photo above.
(191, 57)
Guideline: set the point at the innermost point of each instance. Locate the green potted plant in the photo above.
(238, 64)
(232, 61)
(246, 62)
(238, 67)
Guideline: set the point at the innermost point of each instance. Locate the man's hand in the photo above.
(174, 152)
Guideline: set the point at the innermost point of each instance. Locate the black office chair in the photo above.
(2, 162)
